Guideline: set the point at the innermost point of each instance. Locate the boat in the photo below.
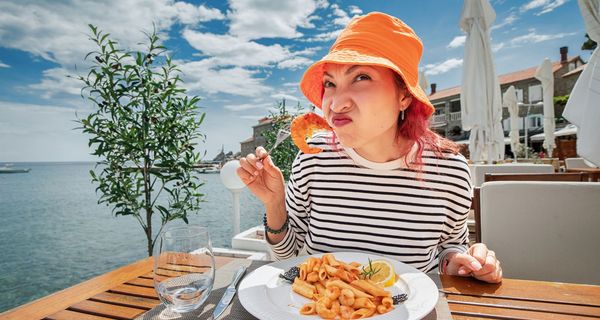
(7, 169)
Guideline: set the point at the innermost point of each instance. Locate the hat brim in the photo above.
(312, 80)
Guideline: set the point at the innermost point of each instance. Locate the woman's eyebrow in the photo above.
(349, 70)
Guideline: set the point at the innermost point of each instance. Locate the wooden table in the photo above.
(594, 173)
(127, 292)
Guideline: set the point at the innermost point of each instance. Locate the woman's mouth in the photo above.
(340, 121)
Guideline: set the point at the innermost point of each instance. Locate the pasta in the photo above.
(338, 291)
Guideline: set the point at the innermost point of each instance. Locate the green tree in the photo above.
(589, 44)
(283, 156)
(144, 129)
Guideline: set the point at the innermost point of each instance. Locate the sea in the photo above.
(54, 234)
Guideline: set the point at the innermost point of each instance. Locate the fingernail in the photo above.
(462, 271)
(255, 173)
(475, 265)
(259, 165)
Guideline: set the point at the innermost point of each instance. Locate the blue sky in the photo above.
(240, 56)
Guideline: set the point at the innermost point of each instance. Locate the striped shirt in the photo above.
(339, 201)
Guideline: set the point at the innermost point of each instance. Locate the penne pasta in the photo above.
(370, 288)
(338, 291)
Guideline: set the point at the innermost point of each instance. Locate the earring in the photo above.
(402, 115)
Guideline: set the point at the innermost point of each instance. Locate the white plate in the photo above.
(268, 297)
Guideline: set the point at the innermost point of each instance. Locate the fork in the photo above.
(282, 134)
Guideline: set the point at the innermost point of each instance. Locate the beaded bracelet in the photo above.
(280, 230)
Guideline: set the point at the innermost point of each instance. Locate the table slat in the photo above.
(137, 291)
(126, 300)
(526, 305)
(553, 292)
(142, 282)
(107, 310)
(73, 315)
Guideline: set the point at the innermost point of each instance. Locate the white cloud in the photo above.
(322, 4)
(291, 84)
(230, 50)
(204, 76)
(56, 81)
(248, 18)
(294, 63)
(191, 15)
(342, 17)
(457, 42)
(506, 22)
(355, 10)
(545, 6)
(57, 31)
(280, 96)
(443, 67)
(327, 36)
(248, 106)
(4, 65)
(533, 37)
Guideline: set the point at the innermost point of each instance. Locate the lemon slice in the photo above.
(385, 276)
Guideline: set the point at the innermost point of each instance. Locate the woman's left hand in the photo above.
(478, 262)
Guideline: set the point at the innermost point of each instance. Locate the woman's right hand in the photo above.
(262, 177)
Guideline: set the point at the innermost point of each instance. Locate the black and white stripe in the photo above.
(413, 215)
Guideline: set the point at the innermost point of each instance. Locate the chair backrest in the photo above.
(478, 171)
(573, 163)
(574, 176)
(543, 230)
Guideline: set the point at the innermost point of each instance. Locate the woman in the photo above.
(384, 183)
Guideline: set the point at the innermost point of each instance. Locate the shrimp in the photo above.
(332, 293)
(308, 309)
(347, 297)
(327, 309)
(346, 312)
(303, 127)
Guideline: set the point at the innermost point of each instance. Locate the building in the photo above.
(249, 145)
(447, 117)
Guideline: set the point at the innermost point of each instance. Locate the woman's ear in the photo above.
(405, 101)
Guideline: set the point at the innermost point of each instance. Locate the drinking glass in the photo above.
(184, 267)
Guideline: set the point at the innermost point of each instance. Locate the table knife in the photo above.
(229, 293)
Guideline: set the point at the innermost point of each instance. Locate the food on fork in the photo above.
(303, 127)
(339, 290)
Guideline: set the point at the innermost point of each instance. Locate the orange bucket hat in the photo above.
(373, 39)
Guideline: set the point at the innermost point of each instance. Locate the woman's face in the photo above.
(362, 103)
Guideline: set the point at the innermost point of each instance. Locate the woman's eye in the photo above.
(362, 77)
(328, 84)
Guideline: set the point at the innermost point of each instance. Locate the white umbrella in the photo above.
(423, 83)
(481, 108)
(546, 76)
(509, 101)
(582, 108)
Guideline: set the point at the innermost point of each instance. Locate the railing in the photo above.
(439, 119)
(455, 116)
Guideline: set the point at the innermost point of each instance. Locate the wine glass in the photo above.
(184, 267)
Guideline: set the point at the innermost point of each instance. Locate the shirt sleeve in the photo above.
(297, 202)
(455, 237)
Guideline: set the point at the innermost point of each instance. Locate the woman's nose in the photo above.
(341, 102)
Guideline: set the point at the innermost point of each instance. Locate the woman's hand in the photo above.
(478, 262)
(262, 177)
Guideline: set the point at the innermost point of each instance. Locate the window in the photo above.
(506, 124)
(455, 106)
(572, 66)
(535, 121)
(439, 109)
(535, 93)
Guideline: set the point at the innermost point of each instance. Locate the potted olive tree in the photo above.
(144, 129)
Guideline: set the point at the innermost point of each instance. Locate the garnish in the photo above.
(400, 298)
(291, 274)
(369, 271)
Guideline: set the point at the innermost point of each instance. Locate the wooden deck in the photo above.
(128, 292)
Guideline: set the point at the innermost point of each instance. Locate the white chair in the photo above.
(478, 171)
(578, 163)
(543, 230)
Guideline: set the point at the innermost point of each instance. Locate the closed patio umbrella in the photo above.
(546, 76)
(582, 108)
(481, 107)
(423, 83)
(509, 101)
